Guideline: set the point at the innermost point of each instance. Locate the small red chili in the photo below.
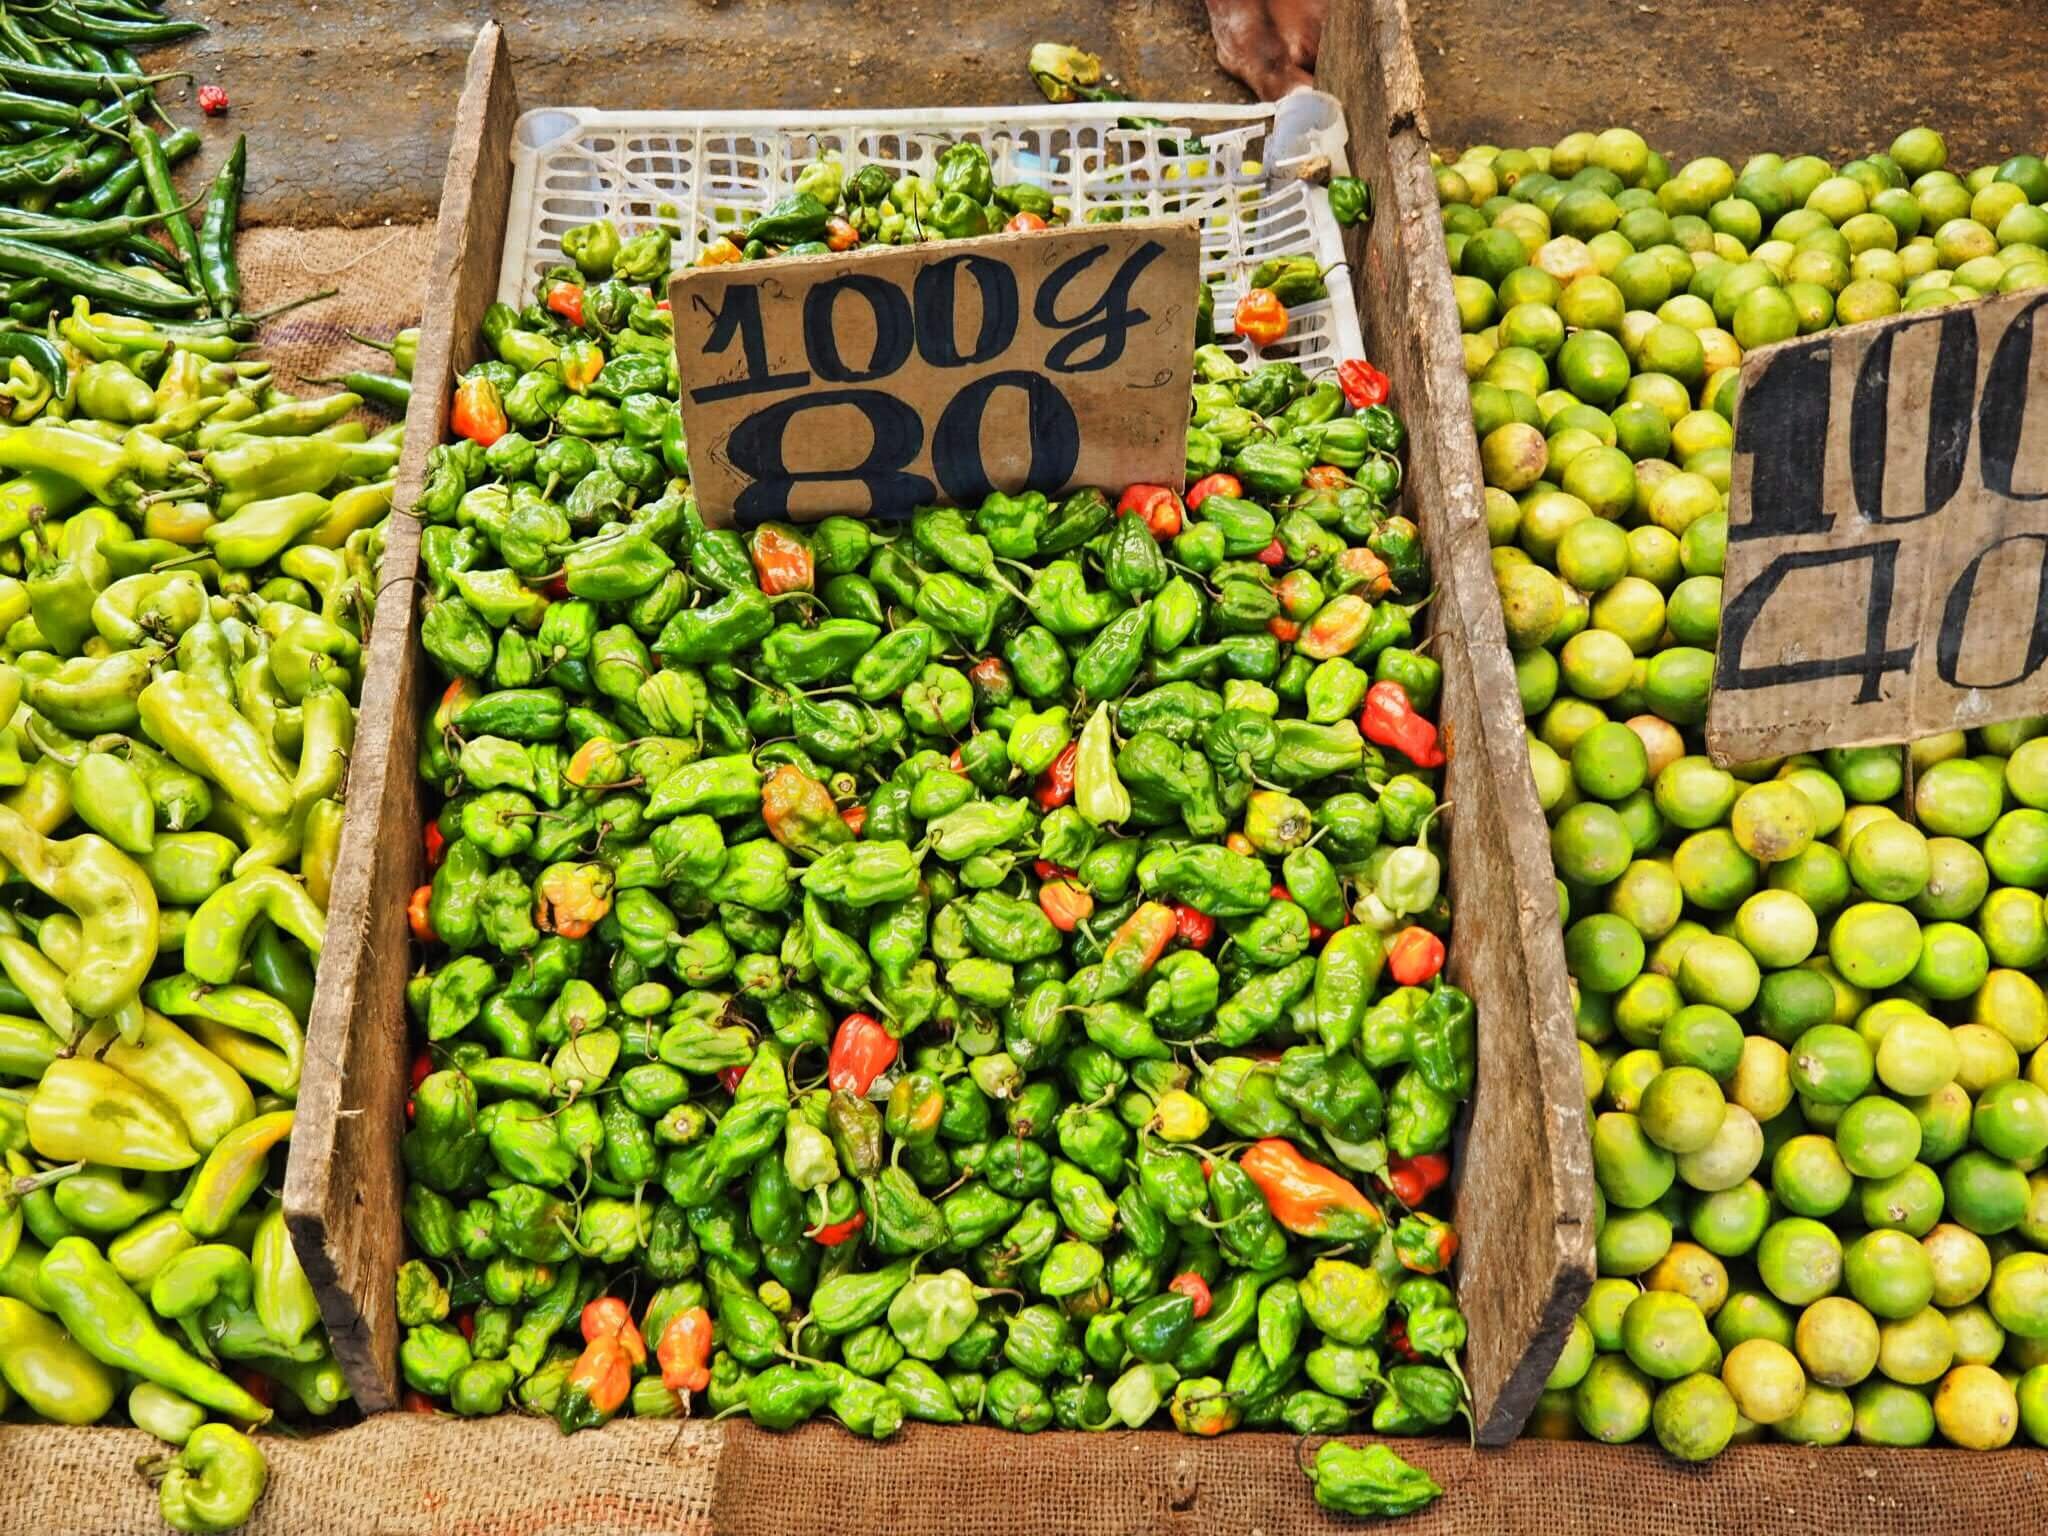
(1023, 220)
(855, 817)
(832, 1235)
(478, 414)
(1056, 784)
(437, 843)
(1196, 929)
(1389, 720)
(566, 300)
(1192, 1285)
(1218, 484)
(1363, 384)
(418, 916)
(1156, 504)
(213, 99)
(1274, 553)
(729, 1077)
(1415, 956)
(861, 1052)
(1285, 630)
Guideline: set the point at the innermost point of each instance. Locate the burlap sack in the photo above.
(404, 1475)
(380, 274)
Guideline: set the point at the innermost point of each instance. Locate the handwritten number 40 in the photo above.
(1092, 336)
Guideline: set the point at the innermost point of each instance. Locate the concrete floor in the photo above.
(348, 107)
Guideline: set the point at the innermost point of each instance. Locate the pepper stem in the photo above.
(28, 1184)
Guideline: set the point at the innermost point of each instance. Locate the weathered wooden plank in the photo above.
(1525, 1192)
(344, 1181)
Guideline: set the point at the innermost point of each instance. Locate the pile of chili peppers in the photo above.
(977, 969)
(188, 559)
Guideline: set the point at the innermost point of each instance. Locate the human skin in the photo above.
(1268, 44)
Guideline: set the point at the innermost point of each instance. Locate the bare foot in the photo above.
(1272, 53)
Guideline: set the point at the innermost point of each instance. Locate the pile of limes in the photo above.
(1807, 999)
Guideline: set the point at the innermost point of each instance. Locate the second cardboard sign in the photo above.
(881, 379)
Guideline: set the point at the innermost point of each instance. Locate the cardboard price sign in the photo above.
(1887, 572)
(887, 378)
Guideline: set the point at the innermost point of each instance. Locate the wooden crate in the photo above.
(1524, 1203)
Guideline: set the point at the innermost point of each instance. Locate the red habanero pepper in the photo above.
(729, 1077)
(556, 589)
(465, 1323)
(257, 1385)
(1424, 1244)
(834, 1233)
(1412, 1178)
(607, 1317)
(1361, 569)
(571, 899)
(566, 300)
(1415, 956)
(422, 1069)
(1397, 1336)
(861, 1052)
(1195, 1288)
(1279, 893)
(478, 414)
(1156, 504)
(1137, 944)
(1308, 1199)
(1045, 869)
(1196, 929)
(1274, 553)
(1389, 720)
(855, 817)
(721, 252)
(437, 843)
(1065, 902)
(1261, 317)
(685, 1351)
(417, 1402)
(417, 915)
(992, 681)
(1056, 784)
(1218, 484)
(782, 561)
(1326, 477)
(1023, 221)
(1285, 630)
(840, 235)
(1237, 842)
(213, 99)
(955, 763)
(597, 1386)
(1363, 384)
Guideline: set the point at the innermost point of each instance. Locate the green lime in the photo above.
(1633, 1170)
(1535, 326)
(1764, 316)
(1809, 1177)
(1729, 1221)
(1590, 844)
(1751, 1314)
(1868, 775)
(1514, 456)
(1677, 683)
(1961, 1262)
(1917, 1056)
(1889, 861)
(1529, 285)
(1682, 500)
(1576, 1359)
(1979, 1338)
(1633, 609)
(1944, 1117)
(1613, 1402)
(1532, 603)
(1603, 953)
(2016, 848)
(1777, 928)
(1645, 1005)
(1608, 761)
(1604, 478)
(1695, 1418)
(1889, 1273)
(2011, 1002)
(1793, 1002)
(1704, 1037)
(2013, 928)
(1825, 1416)
(1653, 551)
(1914, 1351)
(1731, 1157)
(1694, 610)
(1817, 875)
(1909, 1201)
(1693, 793)
(1592, 553)
(1799, 1260)
(1772, 821)
(1631, 1241)
(1682, 1109)
(1765, 1380)
(1762, 1084)
(1836, 1341)
(1666, 1336)
(1874, 944)
(1893, 1415)
(1956, 882)
(2026, 773)
(1606, 1304)
(1492, 254)
(1918, 151)
(1960, 797)
(1986, 1194)
(2011, 1120)
(1877, 1137)
(1719, 971)
(2029, 173)
(1953, 962)
(2018, 1294)
(1831, 1064)
(1650, 900)
(1597, 664)
(1714, 871)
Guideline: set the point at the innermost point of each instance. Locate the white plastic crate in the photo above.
(575, 164)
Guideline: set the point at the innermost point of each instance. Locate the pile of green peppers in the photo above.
(962, 957)
(188, 560)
